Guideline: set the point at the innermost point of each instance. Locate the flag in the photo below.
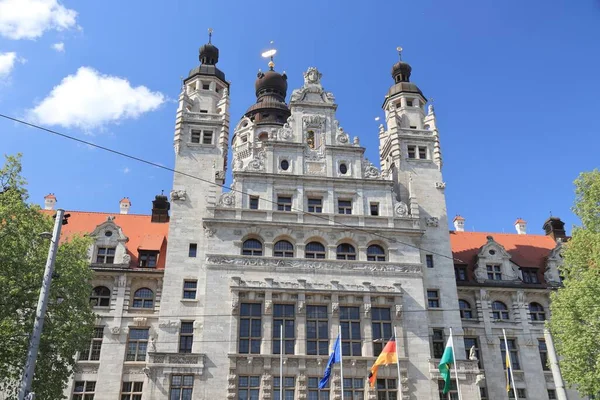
(445, 363)
(507, 371)
(387, 356)
(335, 357)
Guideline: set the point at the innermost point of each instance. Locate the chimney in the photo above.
(160, 209)
(555, 228)
(124, 205)
(521, 226)
(459, 223)
(49, 201)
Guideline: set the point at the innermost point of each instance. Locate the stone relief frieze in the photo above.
(227, 200)
(370, 171)
(433, 221)
(178, 195)
(314, 168)
(313, 121)
(401, 209)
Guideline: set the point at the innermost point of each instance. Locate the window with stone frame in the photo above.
(315, 205)
(193, 250)
(521, 392)
(514, 353)
(284, 315)
(100, 297)
(254, 202)
(147, 258)
(412, 151)
(143, 298)
(387, 389)
(537, 312)
(500, 311)
(374, 208)
(452, 394)
(433, 298)
(314, 393)
(283, 248)
(483, 393)
(494, 272)
(186, 336)
(344, 206)
(284, 203)
(190, 286)
(252, 247)
(437, 343)
(381, 326)
(543, 349)
(105, 255)
(429, 260)
(248, 387)
(345, 251)
(354, 388)
(92, 352)
(195, 136)
(317, 330)
(376, 253)
(137, 344)
(552, 394)
(460, 272)
(466, 312)
(131, 390)
(182, 387)
(289, 386)
(530, 275)
(422, 152)
(84, 390)
(314, 250)
(250, 328)
(207, 137)
(351, 335)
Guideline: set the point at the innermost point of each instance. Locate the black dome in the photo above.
(209, 54)
(401, 72)
(271, 82)
(209, 57)
(270, 107)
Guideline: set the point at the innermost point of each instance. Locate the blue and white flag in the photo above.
(335, 357)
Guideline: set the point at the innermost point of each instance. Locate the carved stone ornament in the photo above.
(399, 309)
(126, 258)
(178, 195)
(433, 221)
(367, 309)
(370, 171)
(140, 321)
(301, 307)
(335, 307)
(440, 185)
(313, 121)
(480, 380)
(238, 164)
(268, 307)
(209, 232)
(115, 330)
(286, 132)
(341, 136)
(312, 76)
(168, 324)
(219, 175)
(401, 209)
(227, 200)
(152, 344)
(312, 91)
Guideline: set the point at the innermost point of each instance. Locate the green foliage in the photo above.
(69, 320)
(575, 322)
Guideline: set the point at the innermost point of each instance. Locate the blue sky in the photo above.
(515, 85)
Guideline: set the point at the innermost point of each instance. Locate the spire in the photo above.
(209, 53)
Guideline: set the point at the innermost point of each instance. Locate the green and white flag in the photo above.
(445, 363)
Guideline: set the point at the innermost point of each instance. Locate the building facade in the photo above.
(199, 299)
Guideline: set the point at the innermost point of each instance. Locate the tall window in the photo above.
(182, 387)
(438, 344)
(470, 342)
(433, 298)
(193, 250)
(374, 207)
(429, 260)
(283, 248)
(514, 354)
(466, 312)
(453, 392)
(317, 330)
(252, 247)
(207, 137)
(536, 310)
(354, 388)
(105, 255)
(521, 392)
(500, 311)
(147, 258)
(382, 328)
(460, 272)
(412, 151)
(543, 354)
(422, 152)
(189, 289)
(254, 202)
(137, 343)
(314, 393)
(346, 251)
(386, 389)
(315, 205)
(375, 253)
(250, 328)
(289, 385)
(284, 203)
(351, 338)
(195, 138)
(186, 337)
(100, 297)
(284, 315)
(92, 353)
(344, 206)
(494, 272)
(143, 298)
(314, 250)
(552, 394)
(530, 275)
(84, 390)
(248, 387)
(132, 390)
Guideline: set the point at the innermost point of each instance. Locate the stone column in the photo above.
(266, 345)
(561, 393)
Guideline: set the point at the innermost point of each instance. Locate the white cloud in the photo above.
(126, 170)
(29, 19)
(89, 100)
(60, 47)
(7, 63)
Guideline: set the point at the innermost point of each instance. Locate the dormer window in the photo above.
(494, 272)
(530, 275)
(105, 255)
(147, 258)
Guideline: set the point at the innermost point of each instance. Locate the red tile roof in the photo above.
(142, 233)
(525, 250)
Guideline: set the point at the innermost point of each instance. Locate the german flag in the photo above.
(387, 356)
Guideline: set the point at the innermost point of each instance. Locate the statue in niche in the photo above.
(310, 139)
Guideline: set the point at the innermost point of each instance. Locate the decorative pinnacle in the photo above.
(269, 54)
(399, 49)
(210, 31)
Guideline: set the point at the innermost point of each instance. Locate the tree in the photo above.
(69, 320)
(575, 322)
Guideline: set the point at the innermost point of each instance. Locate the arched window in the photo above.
(500, 311)
(466, 312)
(345, 251)
(283, 248)
(314, 250)
(252, 247)
(536, 310)
(100, 297)
(143, 298)
(375, 253)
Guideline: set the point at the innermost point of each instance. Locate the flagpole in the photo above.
(455, 367)
(341, 361)
(509, 365)
(398, 365)
(281, 360)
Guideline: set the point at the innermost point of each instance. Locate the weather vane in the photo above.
(269, 54)
(210, 31)
(399, 49)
